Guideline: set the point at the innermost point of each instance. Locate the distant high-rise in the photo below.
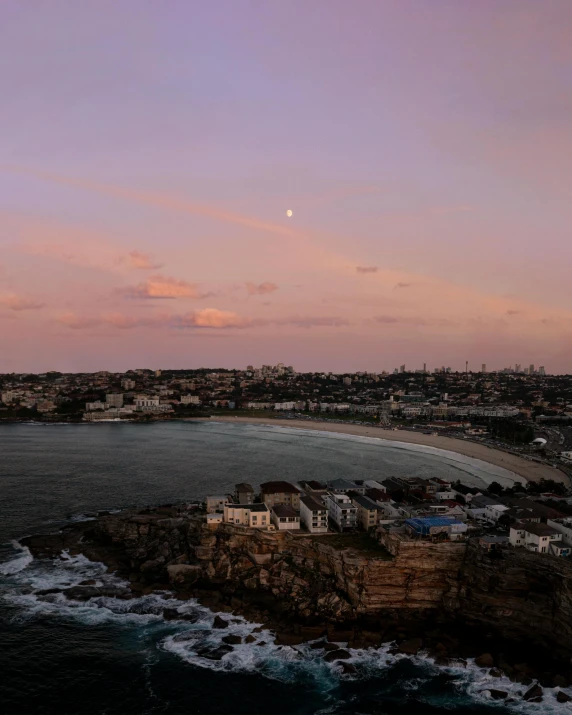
(483, 367)
(517, 368)
(424, 367)
(402, 368)
(541, 370)
(531, 370)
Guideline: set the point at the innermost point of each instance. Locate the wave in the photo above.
(21, 561)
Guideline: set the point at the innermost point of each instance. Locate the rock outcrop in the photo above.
(310, 587)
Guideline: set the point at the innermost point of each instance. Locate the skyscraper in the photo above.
(531, 370)
(484, 367)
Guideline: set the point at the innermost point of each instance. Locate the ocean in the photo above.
(111, 656)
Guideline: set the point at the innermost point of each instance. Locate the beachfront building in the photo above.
(342, 513)
(273, 493)
(285, 518)
(256, 516)
(243, 493)
(313, 515)
(216, 503)
(343, 486)
(540, 538)
(367, 512)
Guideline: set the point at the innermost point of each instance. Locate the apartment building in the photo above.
(367, 512)
(313, 515)
(341, 511)
(536, 537)
(273, 493)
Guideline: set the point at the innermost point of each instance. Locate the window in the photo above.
(254, 519)
(543, 549)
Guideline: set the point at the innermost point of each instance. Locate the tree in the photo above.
(495, 488)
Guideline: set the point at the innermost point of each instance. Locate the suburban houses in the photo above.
(403, 508)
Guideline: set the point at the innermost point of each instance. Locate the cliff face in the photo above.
(523, 595)
(513, 595)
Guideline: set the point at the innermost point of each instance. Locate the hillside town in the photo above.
(513, 407)
(394, 509)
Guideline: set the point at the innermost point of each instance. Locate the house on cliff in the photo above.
(256, 516)
(273, 493)
(540, 538)
(313, 515)
(285, 518)
(243, 493)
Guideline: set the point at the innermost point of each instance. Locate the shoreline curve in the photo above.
(531, 471)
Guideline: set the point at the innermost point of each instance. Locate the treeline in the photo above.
(511, 431)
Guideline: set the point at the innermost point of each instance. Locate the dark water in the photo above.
(111, 656)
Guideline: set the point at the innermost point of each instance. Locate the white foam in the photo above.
(23, 559)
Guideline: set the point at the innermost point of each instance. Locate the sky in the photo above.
(149, 152)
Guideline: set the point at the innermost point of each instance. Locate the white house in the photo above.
(314, 515)
(534, 537)
(284, 517)
(214, 519)
(341, 511)
(254, 515)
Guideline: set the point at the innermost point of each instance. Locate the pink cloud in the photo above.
(403, 285)
(163, 287)
(366, 269)
(15, 302)
(143, 261)
(261, 288)
(212, 318)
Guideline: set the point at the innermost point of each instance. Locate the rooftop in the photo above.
(365, 503)
(312, 504)
(283, 510)
(278, 488)
(250, 507)
(540, 529)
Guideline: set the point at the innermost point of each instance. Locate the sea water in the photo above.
(107, 655)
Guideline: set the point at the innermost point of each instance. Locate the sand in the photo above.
(529, 470)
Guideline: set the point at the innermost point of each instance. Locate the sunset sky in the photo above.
(150, 150)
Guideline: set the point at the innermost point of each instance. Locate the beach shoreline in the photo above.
(531, 471)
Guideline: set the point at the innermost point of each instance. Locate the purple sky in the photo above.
(149, 152)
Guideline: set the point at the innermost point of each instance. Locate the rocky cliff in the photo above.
(303, 583)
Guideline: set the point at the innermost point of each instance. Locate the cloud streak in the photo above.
(261, 288)
(163, 287)
(366, 269)
(143, 261)
(18, 303)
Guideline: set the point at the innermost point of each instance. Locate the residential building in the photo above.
(284, 517)
(534, 537)
(114, 399)
(367, 512)
(90, 406)
(341, 511)
(372, 484)
(273, 493)
(436, 527)
(313, 515)
(214, 519)
(256, 516)
(216, 503)
(343, 486)
(243, 493)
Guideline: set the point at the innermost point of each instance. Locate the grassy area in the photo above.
(358, 541)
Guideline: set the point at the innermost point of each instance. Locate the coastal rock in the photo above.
(338, 654)
(348, 668)
(485, 661)
(250, 638)
(232, 640)
(533, 693)
(498, 694)
(562, 697)
(183, 573)
(220, 622)
(411, 646)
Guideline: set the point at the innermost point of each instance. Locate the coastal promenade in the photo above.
(529, 470)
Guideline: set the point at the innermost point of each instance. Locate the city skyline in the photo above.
(149, 160)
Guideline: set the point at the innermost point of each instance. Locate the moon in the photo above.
(289, 213)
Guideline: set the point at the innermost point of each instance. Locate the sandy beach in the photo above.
(529, 470)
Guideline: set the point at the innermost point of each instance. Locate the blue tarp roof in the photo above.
(425, 523)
